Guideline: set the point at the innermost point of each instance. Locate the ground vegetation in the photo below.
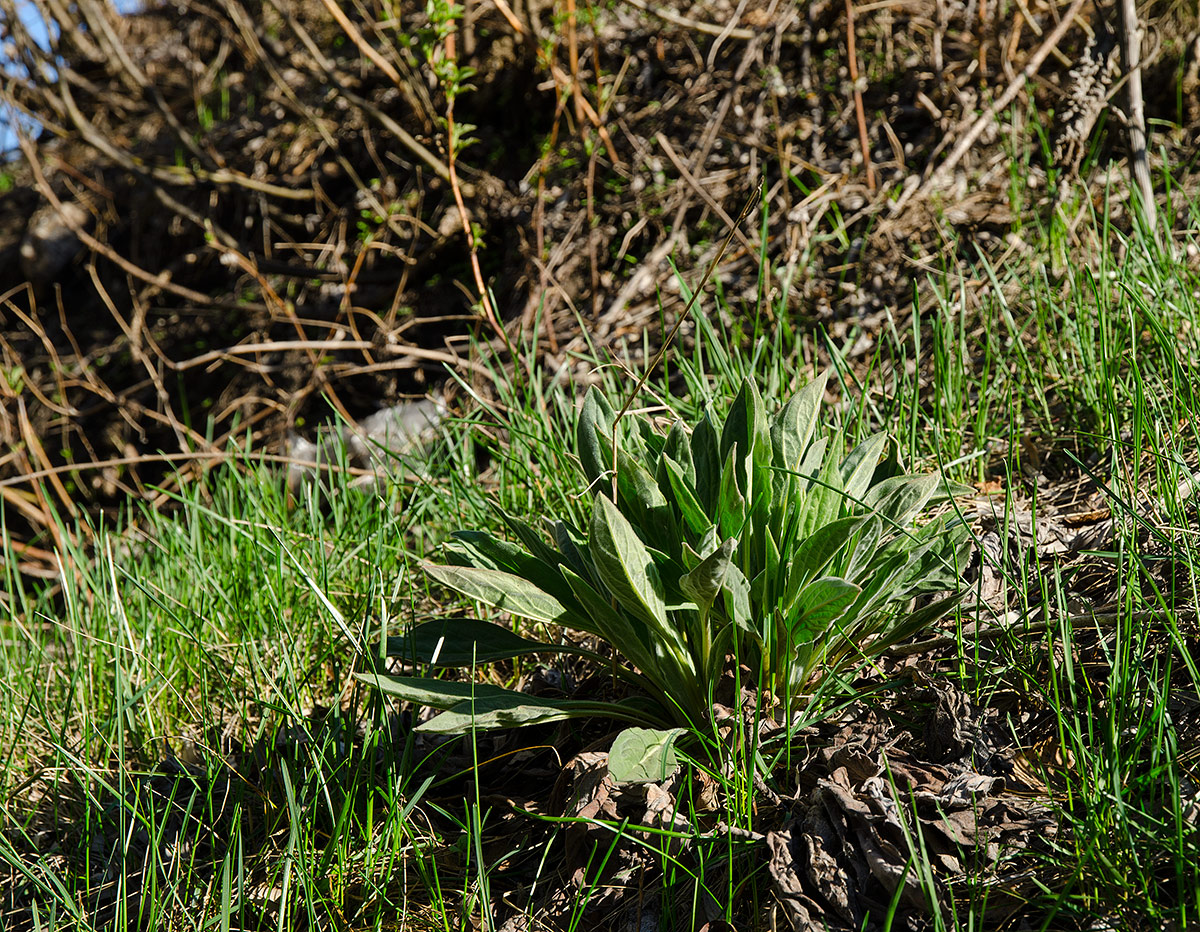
(234, 231)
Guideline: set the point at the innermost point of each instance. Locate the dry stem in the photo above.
(860, 116)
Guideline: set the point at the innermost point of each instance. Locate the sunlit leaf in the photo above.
(500, 590)
(643, 755)
(593, 437)
(819, 604)
(731, 510)
(706, 458)
(624, 564)
(792, 428)
(689, 505)
(641, 499)
(859, 466)
(703, 584)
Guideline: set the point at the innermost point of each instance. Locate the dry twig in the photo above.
(1131, 35)
(941, 174)
(860, 116)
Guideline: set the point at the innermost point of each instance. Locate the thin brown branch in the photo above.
(485, 301)
(670, 16)
(362, 44)
(573, 60)
(852, 59)
(162, 280)
(564, 80)
(700, 189)
(405, 138)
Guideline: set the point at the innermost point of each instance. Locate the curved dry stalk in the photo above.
(755, 196)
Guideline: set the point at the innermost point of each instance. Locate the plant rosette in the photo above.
(753, 540)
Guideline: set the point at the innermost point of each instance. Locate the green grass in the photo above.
(222, 631)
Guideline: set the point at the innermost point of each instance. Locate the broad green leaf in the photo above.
(495, 713)
(825, 499)
(504, 591)
(689, 506)
(706, 458)
(573, 548)
(678, 447)
(484, 706)
(746, 429)
(859, 466)
(731, 510)
(819, 604)
(642, 500)
(658, 652)
(890, 466)
(709, 541)
(940, 567)
(593, 438)
(812, 462)
(783, 500)
(461, 642)
(771, 566)
(793, 426)
(488, 552)
(625, 566)
(629, 635)
(736, 593)
(758, 457)
(530, 539)
(913, 623)
(883, 583)
(436, 694)
(758, 588)
(738, 424)
(898, 500)
(517, 709)
(948, 489)
(864, 548)
(652, 441)
(813, 553)
(703, 584)
(457, 553)
(643, 755)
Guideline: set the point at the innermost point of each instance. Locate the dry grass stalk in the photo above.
(941, 174)
(852, 60)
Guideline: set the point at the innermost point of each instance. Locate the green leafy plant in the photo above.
(754, 539)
